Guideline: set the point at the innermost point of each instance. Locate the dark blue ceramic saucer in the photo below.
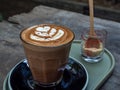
(75, 77)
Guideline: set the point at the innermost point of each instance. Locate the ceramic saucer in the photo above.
(75, 77)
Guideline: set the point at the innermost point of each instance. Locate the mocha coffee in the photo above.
(47, 48)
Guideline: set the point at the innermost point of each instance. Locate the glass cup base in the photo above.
(92, 59)
(33, 84)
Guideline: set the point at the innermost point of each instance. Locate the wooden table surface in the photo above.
(11, 50)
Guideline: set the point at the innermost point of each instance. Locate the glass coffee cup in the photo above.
(47, 48)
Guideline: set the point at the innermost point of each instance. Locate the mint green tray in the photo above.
(98, 72)
(5, 84)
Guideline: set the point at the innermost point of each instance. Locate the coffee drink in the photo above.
(47, 48)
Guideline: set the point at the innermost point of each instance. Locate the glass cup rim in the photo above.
(46, 46)
(101, 33)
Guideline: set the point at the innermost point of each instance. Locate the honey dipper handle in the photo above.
(92, 32)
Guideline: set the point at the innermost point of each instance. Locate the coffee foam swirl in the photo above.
(46, 33)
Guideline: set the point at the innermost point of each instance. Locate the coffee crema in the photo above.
(47, 35)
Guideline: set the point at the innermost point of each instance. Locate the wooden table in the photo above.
(11, 50)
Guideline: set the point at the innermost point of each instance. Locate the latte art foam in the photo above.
(47, 35)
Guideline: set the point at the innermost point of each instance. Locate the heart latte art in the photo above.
(47, 35)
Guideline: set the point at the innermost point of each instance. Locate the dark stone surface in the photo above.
(81, 6)
(13, 7)
(11, 50)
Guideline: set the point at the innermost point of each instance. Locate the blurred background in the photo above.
(107, 9)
